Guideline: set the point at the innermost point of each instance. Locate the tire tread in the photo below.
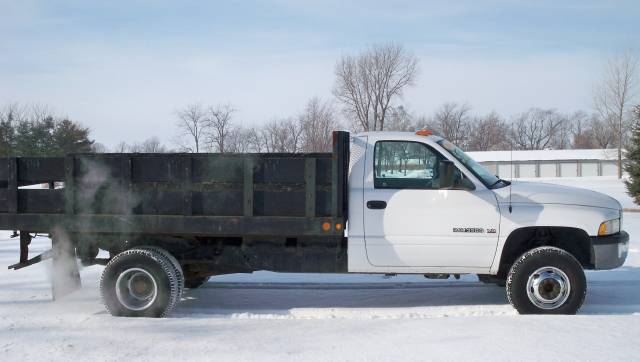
(158, 258)
(515, 269)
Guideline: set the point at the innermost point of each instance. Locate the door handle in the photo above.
(376, 204)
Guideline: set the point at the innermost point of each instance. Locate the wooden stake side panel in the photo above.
(250, 194)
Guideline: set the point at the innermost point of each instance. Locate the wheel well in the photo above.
(572, 240)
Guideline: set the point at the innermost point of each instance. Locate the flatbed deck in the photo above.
(196, 205)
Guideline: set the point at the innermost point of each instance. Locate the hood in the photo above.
(543, 193)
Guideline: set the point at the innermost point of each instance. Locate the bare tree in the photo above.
(603, 135)
(219, 125)
(488, 133)
(367, 84)
(400, 120)
(614, 95)
(192, 125)
(582, 136)
(135, 148)
(98, 147)
(451, 121)
(283, 135)
(243, 140)
(153, 145)
(150, 145)
(14, 112)
(317, 121)
(253, 140)
(535, 129)
(39, 112)
(561, 139)
(121, 147)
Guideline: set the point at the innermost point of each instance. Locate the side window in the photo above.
(405, 165)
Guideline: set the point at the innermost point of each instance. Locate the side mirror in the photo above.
(448, 178)
(446, 169)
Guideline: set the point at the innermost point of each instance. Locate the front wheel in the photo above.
(546, 280)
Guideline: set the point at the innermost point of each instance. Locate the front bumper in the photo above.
(609, 252)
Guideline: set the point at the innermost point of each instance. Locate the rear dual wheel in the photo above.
(177, 268)
(142, 282)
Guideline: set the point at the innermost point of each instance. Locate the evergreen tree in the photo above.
(24, 144)
(69, 137)
(7, 132)
(7, 137)
(633, 159)
(40, 135)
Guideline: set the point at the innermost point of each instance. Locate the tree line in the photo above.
(310, 131)
(367, 96)
(214, 129)
(35, 131)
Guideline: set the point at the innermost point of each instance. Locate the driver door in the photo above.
(411, 221)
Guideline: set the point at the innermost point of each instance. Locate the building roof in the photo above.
(545, 155)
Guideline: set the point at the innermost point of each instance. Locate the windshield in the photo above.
(482, 173)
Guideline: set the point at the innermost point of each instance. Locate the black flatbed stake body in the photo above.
(216, 213)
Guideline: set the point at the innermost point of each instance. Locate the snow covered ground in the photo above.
(269, 316)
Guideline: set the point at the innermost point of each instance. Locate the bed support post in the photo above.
(25, 240)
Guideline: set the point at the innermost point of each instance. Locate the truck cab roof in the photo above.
(411, 136)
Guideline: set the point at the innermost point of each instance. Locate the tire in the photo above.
(546, 280)
(194, 282)
(139, 282)
(177, 268)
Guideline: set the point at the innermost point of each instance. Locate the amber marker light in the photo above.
(424, 132)
(338, 227)
(326, 226)
(602, 230)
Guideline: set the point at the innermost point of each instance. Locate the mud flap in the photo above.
(65, 278)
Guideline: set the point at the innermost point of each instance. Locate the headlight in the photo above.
(609, 227)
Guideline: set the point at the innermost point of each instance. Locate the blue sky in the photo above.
(124, 67)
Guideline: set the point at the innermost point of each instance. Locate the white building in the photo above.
(549, 163)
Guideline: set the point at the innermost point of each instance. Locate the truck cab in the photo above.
(419, 204)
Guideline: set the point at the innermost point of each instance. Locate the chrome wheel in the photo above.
(548, 287)
(136, 289)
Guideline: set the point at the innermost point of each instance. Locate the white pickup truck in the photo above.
(381, 202)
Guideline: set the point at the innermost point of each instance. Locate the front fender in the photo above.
(522, 215)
